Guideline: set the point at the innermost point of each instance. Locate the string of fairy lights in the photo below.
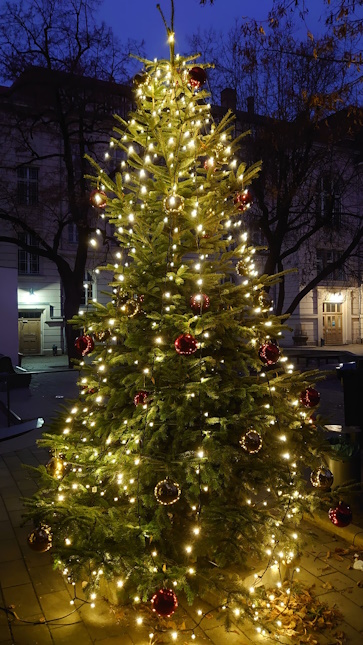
(195, 210)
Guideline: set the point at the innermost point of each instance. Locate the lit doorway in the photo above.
(332, 323)
(29, 332)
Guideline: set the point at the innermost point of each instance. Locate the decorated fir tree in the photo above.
(186, 453)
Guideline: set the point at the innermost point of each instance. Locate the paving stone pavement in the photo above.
(40, 596)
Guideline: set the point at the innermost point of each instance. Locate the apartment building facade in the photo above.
(43, 169)
(36, 191)
(309, 200)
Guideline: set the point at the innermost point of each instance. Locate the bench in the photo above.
(9, 378)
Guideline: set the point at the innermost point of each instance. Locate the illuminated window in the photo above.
(87, 293)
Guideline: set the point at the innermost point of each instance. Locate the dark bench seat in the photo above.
(11, 378)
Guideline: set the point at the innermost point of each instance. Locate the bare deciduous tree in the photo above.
(65, 67)
(299, 130)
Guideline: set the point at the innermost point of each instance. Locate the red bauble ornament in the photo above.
(84, 344)
(309, 398)
(199, 303)
(164, 602)
(269, 353)
(197, 77)
(243, 200)
(341, 515)
(141, 398)
(186, 344)
(98, 198)
(40, 539)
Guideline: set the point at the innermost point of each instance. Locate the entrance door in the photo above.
(332, 323)
(29, 334)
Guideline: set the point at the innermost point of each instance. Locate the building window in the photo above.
(329, 202)
(332, 307)
(324, 257)
(27, 188)
(72, 233)
(88, 291)
(28, 263)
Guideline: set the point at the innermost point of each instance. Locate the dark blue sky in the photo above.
(139, 19)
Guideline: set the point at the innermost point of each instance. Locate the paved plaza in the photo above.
(38, 598)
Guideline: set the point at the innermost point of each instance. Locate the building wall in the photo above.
(41, 294)
(9, 313)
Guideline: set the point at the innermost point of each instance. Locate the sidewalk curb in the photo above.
(352, 534)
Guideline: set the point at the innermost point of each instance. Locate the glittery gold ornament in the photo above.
(167, 492)
(251, 441)
(173, 204)
(322, 478)
(40, 539)
(55, 467)
(241, 268)
(100, 336)
(265, 301)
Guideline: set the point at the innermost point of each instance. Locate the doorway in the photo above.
(29, 332)
(332, 323)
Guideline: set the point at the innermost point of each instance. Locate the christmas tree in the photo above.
(185, 455)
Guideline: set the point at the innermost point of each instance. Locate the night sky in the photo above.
(139, 19)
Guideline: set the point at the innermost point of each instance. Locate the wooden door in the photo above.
(29, 336)
(332, 323)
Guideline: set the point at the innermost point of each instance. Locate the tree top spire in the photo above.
(169, 30)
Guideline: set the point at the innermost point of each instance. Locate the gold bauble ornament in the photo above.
(40, 539)
(100, 336)
(131, 308)
(322, 478)
(251, 442)
(241, 268)
(167, 492)
(55, 467)
(173, 204)
(265, 301)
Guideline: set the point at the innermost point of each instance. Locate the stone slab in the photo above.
(46, 580)
(76, 634)
(56, 606)
(13, 573)
(17, 518)
(31, 634)
(24, 600)
(9, 550)
(347, 607)
(14, 503)
(6, 530)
